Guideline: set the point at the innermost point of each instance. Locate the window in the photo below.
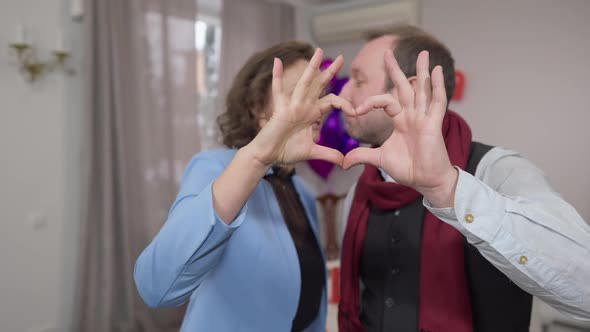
(208, 45)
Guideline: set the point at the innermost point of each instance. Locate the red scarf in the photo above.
(444, 295)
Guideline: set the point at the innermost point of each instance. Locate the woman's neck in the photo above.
(287, 168)
(284, 170)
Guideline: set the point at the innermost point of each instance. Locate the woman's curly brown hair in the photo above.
(250, 91)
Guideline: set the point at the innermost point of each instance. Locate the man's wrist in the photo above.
(443, 195)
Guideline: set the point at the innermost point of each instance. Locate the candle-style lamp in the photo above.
(60, 54)
(29, 63)
(20, 45)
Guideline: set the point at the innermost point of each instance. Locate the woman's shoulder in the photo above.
(209, 163)
(222, 156)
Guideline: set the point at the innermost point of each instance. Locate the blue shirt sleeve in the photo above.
(191, 241)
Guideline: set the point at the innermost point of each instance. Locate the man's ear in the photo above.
(413, 81)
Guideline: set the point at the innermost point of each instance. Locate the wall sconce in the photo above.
(30, 65)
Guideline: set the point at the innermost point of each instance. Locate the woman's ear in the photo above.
(264, 115)
(262, 121)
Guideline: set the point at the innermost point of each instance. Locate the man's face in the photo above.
(368, 78)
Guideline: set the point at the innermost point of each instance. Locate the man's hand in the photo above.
(415, 154)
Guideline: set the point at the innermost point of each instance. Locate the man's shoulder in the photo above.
(499, 163)
(494, 154)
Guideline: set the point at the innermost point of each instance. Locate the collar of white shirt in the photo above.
(386, 176)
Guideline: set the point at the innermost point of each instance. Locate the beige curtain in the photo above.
(249, 26)
(141, 128)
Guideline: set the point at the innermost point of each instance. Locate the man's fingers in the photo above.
(438, 107)
(386, 102)
(362, 156)
(424, 89)
(331, 101)
(400, 81)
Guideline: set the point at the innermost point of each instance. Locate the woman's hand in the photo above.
(287, 137)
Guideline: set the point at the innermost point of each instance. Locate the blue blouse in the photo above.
(239, 277)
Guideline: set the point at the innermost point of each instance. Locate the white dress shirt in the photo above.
(510, 213)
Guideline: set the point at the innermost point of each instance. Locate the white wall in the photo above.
(39, 130)
(527, 69)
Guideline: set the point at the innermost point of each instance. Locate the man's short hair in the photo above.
(410, 41)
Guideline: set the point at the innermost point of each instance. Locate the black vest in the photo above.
(390, 274)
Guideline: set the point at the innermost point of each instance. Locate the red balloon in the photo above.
(459, 85)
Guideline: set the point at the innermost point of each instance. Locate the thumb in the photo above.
(327, 154)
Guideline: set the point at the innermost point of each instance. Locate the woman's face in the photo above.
(291, 76)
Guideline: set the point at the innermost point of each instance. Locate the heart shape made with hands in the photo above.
(415, 154)
(333, 133)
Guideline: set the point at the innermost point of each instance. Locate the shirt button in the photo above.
(396, 213)
(395, 271)
(469, 218)
(389, 302)
(523, 260)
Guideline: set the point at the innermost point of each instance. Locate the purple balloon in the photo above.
(332, 131)
(349, 145)
(321, 167)
(333, 134)
(338, 84)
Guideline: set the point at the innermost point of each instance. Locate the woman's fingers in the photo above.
(325, 77)
(302, 87)
(313, 82)
(277, 80)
